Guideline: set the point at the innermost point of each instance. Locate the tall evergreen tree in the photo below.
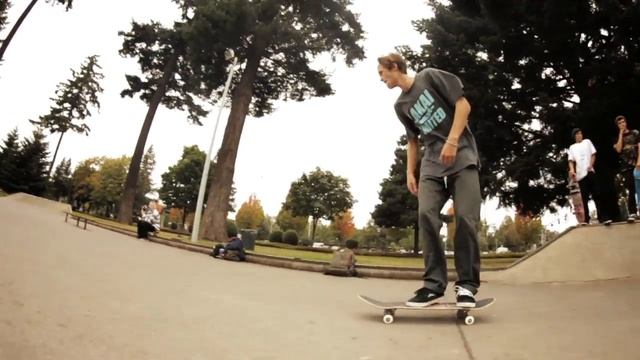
(61, 184)
(33, 164)
(5, 43)
(73, 102)
(9, 162)
(275, 42)
(4, 8)
(167, 79)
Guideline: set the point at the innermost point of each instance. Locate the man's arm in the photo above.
(593, 162)
(618, 145)
(412, 157)
(460, 121)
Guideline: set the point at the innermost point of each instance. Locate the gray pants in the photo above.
(433, 192)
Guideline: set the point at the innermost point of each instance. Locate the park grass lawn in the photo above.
(375, 260)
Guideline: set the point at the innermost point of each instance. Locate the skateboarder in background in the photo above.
(582, 158)
(432, 106)
(627, 147)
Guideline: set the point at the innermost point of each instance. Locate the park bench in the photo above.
(78, 219)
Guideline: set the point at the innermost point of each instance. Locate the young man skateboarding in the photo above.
(627, 147)
(582, 158)
(432, 106)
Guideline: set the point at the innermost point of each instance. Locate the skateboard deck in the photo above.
(462, 313)
(575, 197)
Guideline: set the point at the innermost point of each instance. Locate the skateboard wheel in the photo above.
(469, 320)
(387, 319)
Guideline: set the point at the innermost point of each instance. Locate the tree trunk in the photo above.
(129, 192)
(314, 225)
(14, 29)
(215, 213)
(55, 154)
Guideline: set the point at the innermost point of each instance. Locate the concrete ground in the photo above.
(67, 293)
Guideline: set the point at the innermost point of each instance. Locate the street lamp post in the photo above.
(228, 55)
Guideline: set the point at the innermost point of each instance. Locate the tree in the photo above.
(180, 184)
(320, 195)
(250, 215)
(9, 157)
(32, 160)
(398, 207)
(166, 79)
(275, 42)
(61, 183)
(108, 184)
(145, 184)
(5, 43)
(83, 182)
(73, 102)
(343, 226)
(4, 8)
(532, 73)
(286, 221)
(520, 234)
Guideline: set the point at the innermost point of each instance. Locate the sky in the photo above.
(352, 133)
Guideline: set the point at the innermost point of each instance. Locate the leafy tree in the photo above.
(275, 42)
(83, 182)
(166, 79)
(73, 101)
(370, 236)
(62, 184)
(5, 4)
(250, 215)
(286, 221)
(320, 195)
(343, 226)
(108, 184)
(145, 184)
(519, 234)
(398, 207)
(180, 184)
(533, 71)
(9, 157)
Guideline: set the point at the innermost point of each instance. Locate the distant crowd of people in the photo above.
(582, 159)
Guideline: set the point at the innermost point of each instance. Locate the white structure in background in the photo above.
(502, 250)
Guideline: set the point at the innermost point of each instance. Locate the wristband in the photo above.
(451, 143)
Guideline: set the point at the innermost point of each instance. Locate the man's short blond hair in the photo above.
(393, 59)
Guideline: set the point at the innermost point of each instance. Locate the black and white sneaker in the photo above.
(464, 297)
(607, 222)
(423, 297)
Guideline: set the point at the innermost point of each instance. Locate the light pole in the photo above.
(228, 55)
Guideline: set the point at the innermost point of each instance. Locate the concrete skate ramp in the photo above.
(580, 254)
(34, 200)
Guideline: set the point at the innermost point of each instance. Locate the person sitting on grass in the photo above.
(150, 219)
(343, 262)
(234, 249)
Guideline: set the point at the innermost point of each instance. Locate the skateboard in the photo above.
(575, 196)
(462, 313)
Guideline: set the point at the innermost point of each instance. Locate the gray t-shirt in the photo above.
(427, 109)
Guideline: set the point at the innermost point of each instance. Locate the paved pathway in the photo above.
(66, 293)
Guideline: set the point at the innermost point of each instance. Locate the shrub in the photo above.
(232, 229)
(290, 237)
(305, 242)
(276, 236)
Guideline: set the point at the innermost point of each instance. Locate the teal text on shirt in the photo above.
(425, 114)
